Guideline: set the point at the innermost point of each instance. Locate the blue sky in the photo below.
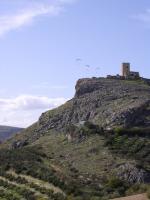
(40, 41)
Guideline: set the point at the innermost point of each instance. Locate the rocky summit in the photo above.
(107, 103)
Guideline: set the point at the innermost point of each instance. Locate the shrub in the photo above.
(119, 130)
(114, 184)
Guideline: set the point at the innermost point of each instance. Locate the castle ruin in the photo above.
(126, 73)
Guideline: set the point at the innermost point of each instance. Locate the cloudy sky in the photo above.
(46, 45)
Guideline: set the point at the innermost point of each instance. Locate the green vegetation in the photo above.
(76, 170)
(135, 131)
(28, 161)
(85, 129)
(132, 143)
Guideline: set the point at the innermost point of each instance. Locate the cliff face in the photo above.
(107, 103)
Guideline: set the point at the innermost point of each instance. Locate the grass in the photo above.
(83, 170)
(78, 155)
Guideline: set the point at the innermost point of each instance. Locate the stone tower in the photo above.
(125, 69)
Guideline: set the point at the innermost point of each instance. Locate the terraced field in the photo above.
(23, 187)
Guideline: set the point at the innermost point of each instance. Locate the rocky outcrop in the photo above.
(132, 174)
(107, 103)
(19, 144)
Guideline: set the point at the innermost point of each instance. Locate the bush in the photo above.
(119, 130)
(135, 131)
(114, 183)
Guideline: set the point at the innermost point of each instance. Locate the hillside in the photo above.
(94, 147)
(7, 131)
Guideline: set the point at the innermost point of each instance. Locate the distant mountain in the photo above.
(8, 131)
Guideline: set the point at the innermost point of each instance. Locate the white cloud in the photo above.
(25, 109)
(143, 17)
(22, 17)
(29, 102)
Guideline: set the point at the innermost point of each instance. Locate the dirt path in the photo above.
(135, 197)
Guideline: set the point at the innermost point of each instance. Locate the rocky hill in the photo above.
(94, 147)
(104, 102)
(107, 103)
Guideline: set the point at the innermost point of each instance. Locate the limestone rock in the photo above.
(132, 174)
(107, 103)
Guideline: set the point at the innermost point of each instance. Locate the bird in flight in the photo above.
(78, 59)
(88, 66)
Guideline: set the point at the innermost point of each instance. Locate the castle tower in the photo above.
(125, 69)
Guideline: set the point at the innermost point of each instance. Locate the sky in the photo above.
(47, 45)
